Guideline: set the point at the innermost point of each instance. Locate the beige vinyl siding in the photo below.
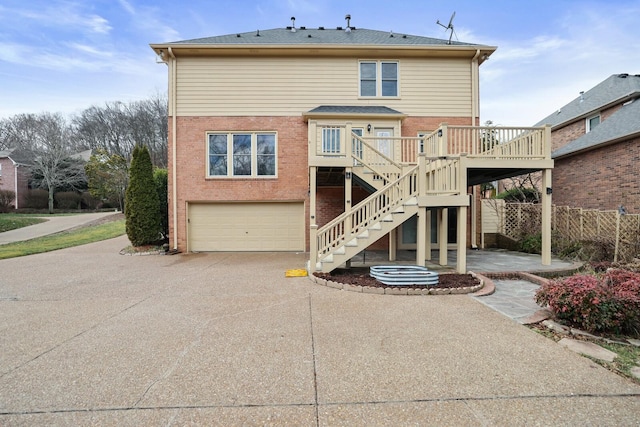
(290, 86)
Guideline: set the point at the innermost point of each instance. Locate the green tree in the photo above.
(160, 177)
(141, 201)
(108, 176)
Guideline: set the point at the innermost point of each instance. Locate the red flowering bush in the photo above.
(608, 303)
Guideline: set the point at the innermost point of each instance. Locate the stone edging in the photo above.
(398, 290)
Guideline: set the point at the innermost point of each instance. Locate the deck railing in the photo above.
(446, 141)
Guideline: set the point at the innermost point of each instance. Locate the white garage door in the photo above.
(246, 227)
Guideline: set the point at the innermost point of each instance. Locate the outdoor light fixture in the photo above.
(440, 132)
(549, 190)
(347, 175)
(369, 128)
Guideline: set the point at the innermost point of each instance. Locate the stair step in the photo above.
(399, 209)
(340, 251)
(388, 218)
(328, 258)
(376, 226)
(411, 202)
(352, 243)
(364, 235)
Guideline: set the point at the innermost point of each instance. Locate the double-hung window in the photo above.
(379, 79)
(242, 154)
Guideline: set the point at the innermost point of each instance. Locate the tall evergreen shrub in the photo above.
(141, 201)
(160, 176)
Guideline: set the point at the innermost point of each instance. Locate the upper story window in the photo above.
(592, 122)
(242, 154)
(379, 78)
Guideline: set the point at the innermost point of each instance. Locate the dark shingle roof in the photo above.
(624, 123)
(21, 157)
(316, 36)
(352, 109)
(616, 87)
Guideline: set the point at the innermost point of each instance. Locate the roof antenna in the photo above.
(348, 18)
(293, 24)
(449, 27)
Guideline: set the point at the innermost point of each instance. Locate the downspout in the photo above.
(174, 104)
(474, 114)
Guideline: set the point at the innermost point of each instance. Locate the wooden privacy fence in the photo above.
(621, 231)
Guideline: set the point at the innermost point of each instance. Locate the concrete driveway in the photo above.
(91, 337)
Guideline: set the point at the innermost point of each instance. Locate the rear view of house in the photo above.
(332, 140)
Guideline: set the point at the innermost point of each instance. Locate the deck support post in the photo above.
(461, 242)
(546, 217)
(421, 237)
(443, 238)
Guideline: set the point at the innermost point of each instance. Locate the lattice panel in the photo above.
(578, 225)
(629, 235)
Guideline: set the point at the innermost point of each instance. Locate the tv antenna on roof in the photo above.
(449, 27)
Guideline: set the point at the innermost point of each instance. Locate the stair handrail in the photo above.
(382, 202)
(362, 160)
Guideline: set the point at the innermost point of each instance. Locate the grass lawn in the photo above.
(13, 221)
(65, 239)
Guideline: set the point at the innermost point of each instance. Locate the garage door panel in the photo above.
(246, 227)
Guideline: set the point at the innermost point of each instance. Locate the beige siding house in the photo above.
(332, 140)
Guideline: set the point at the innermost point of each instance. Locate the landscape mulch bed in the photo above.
(361, 277)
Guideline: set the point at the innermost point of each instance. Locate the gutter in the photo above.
(475, 114)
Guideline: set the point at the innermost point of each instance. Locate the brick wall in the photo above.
(292, 183)
(562, 136)
(601, 179)
(8, 180)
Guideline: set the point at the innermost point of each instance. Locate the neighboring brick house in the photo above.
(276, 136)
(14, 174)
(596, 147)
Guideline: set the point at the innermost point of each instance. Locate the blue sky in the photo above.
(67, 55)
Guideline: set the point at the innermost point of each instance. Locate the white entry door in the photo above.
(385, 146)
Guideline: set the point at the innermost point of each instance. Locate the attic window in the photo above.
(593, 122)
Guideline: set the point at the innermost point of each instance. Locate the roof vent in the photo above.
(348, 18)
(238, 35)
(339, 28)
(321, 28)
(581, 95)
(390, 33)
(293, 24)
(303, 28)
(623, 76)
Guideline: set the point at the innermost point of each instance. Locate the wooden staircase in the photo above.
(395, 201)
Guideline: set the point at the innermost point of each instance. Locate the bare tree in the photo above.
(54, 165)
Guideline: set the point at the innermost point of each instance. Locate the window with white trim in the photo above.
(592, 122)
(379, 78)
(242, 154)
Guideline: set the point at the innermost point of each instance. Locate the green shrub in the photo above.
(607, 303)
(520, 195)
(160, 177)
(89, 202)
(68, 200)
(141, 201)
(532, 244)
(6, 200)
(37, 199)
